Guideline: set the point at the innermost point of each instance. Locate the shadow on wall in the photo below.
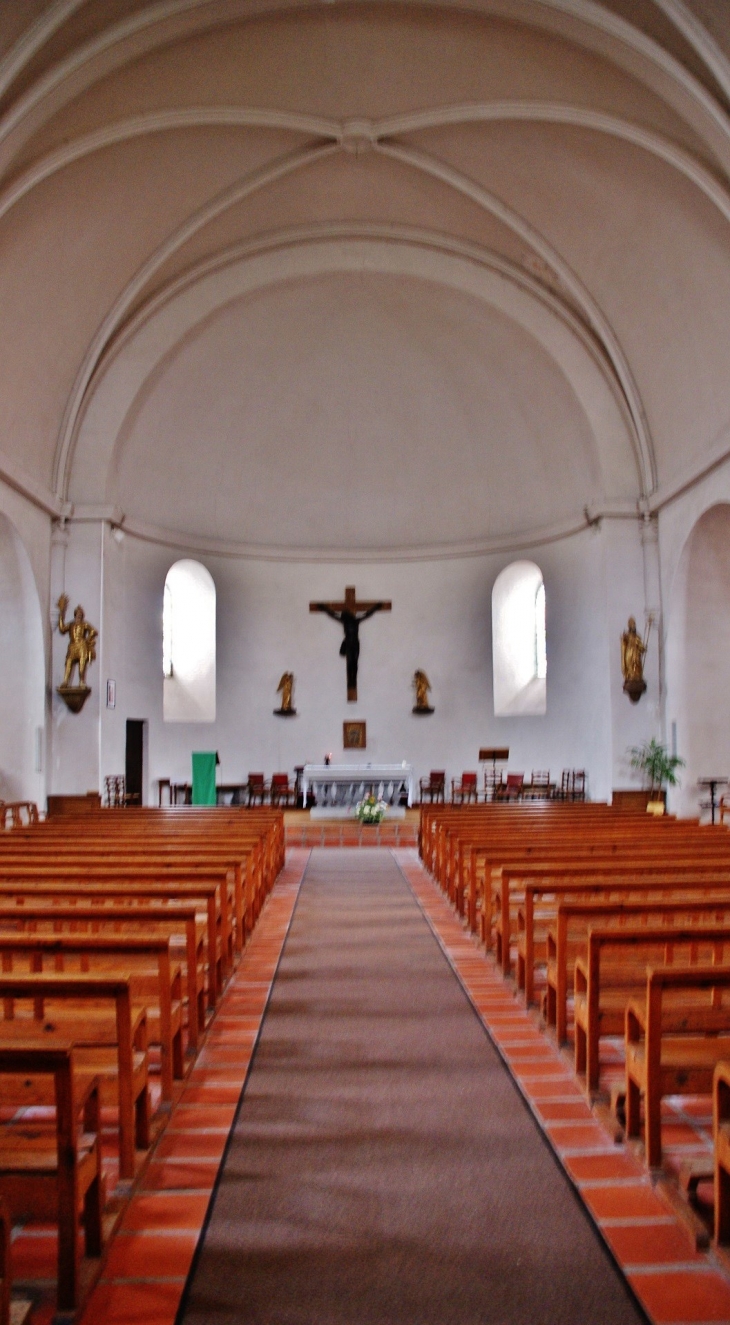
(698, 655)
(22, 694)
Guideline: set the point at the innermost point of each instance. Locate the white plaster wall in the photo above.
(23, 602)
(441, 621)
(625, 596)
(22, 663)
(695, 548)
(75, 737)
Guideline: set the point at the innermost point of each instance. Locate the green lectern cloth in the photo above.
(204, 762)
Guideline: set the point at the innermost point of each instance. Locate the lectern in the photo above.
(497, 754)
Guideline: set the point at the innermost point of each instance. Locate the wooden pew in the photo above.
(673, 1050)
(517, 886)
(721, 1134)
(175, 920)
(655, 881)
(53, 1171)
(157, 987)
(613, 972)
(114, 1051)
(181, 862)
(253, 845)
(569, 934)
(116, 886)
(5, 1235)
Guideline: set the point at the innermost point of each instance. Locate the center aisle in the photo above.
(383, 1167)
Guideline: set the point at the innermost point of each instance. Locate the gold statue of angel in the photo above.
(81, 643)
(422, 686)
(286, 687)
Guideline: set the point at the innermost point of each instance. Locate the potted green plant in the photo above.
(658, 767)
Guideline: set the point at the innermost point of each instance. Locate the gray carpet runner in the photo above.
(383, 1167)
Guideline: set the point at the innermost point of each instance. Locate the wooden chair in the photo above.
(538, 788)
(493, 782)
(115, 791)
(578, 785)
(53, 1171)
(18, 814)
(256, 789)
(434, 786)
(282, 794)
(464, 790)
(511, 789)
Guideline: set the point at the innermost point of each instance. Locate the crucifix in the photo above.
(350, 614)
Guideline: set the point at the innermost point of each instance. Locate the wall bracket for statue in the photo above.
(286, 688)
(633, 653)
(80, 652)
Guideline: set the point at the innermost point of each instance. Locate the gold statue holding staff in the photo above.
(81, 644)
(633, 652)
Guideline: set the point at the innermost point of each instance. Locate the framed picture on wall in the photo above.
(353, 735)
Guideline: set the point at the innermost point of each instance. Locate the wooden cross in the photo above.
(350, 614)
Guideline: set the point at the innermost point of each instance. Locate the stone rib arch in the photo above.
(576, 20)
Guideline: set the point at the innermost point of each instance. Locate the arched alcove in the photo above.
(189, 644)
(22, 695)
(519, 652)
(698, 654)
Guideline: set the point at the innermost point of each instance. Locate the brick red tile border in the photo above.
(152, 1253)
(675, 1284)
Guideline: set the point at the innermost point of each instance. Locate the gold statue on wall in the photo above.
(286, 688)
(633, 652)
(422, 686)
(80, 652)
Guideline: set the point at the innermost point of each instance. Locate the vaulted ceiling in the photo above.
(363, 278)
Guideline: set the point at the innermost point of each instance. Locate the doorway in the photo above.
(135, 760)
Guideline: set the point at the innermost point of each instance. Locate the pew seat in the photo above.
(52, 1169)
(673, 1051)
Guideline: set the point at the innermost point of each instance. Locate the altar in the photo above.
(338, 787)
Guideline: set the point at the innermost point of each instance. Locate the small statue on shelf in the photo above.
(286, 687)
(80, 652)
(422, 686)
(633, 651)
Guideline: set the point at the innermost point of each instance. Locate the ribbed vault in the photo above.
(367, 277)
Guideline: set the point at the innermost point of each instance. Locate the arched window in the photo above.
(188, 644)
(519, 650)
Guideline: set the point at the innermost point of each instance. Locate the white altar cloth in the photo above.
(345, 784)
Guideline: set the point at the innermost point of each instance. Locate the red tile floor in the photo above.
(673, 1282)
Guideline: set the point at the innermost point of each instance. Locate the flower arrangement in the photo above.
(370, 810)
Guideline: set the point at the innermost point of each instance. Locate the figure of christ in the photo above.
(350, 615)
